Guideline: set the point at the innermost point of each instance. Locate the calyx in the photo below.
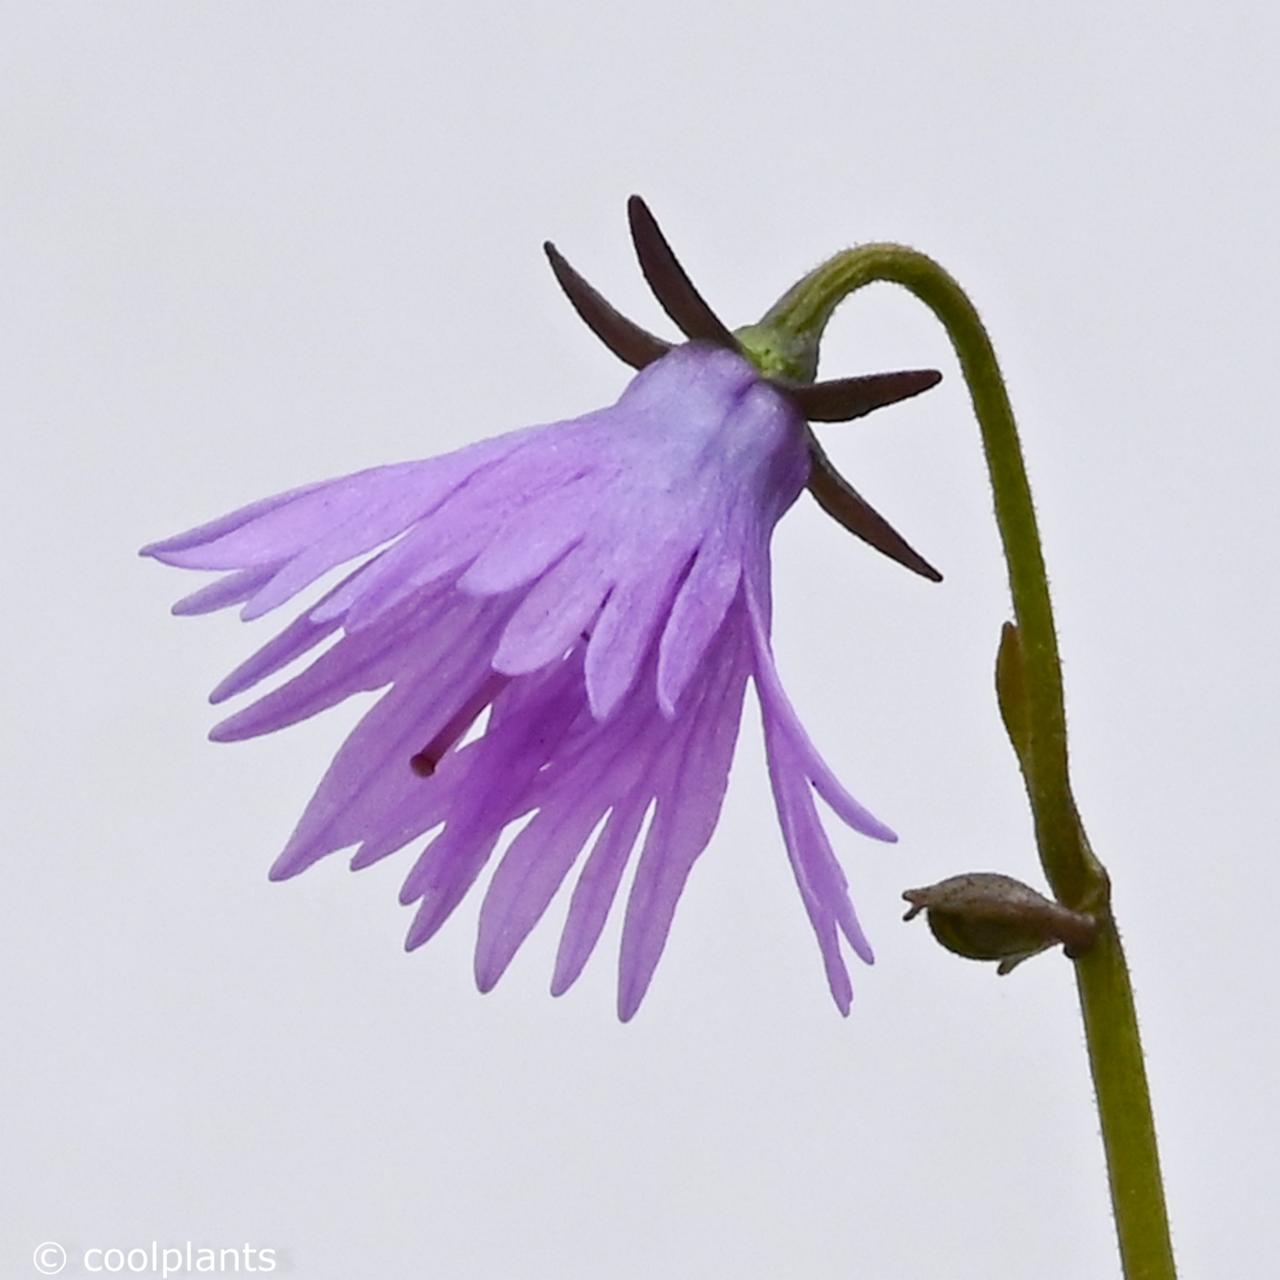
(835, 400)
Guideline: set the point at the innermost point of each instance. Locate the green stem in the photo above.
(1078, 879)
(1124, 1107)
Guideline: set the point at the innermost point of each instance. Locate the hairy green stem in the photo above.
(1077, 878)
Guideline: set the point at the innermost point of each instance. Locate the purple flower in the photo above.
(601, 587)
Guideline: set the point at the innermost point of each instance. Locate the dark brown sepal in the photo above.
(671, 286)
(626, 339)
(843, 399)
(844, 504)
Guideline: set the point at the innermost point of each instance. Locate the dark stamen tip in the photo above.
(424, 763)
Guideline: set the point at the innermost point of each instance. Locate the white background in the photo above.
(250, 245)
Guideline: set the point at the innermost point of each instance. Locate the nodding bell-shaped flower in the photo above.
(598, 591)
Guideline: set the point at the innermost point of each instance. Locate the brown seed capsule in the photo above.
(987, 916)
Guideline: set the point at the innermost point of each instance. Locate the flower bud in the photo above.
(987, 916)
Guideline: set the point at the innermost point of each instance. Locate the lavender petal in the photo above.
(232, 589)
(688, 807)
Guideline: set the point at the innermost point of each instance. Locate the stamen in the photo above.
(426, 761)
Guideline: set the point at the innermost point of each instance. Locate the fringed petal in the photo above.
(555, 613)
(821, 916)
(368, 660)
(697, 612)
(621, 637)
(776, 707)
(370, 527)
(688, 807)
(509, 759)
(288, 527)
(823, 887)
(599, 769)
(444, 544)
(299, 637)
(203, 534)
(232, 589)
(411, 806)
(371, 775)
(533, 537)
